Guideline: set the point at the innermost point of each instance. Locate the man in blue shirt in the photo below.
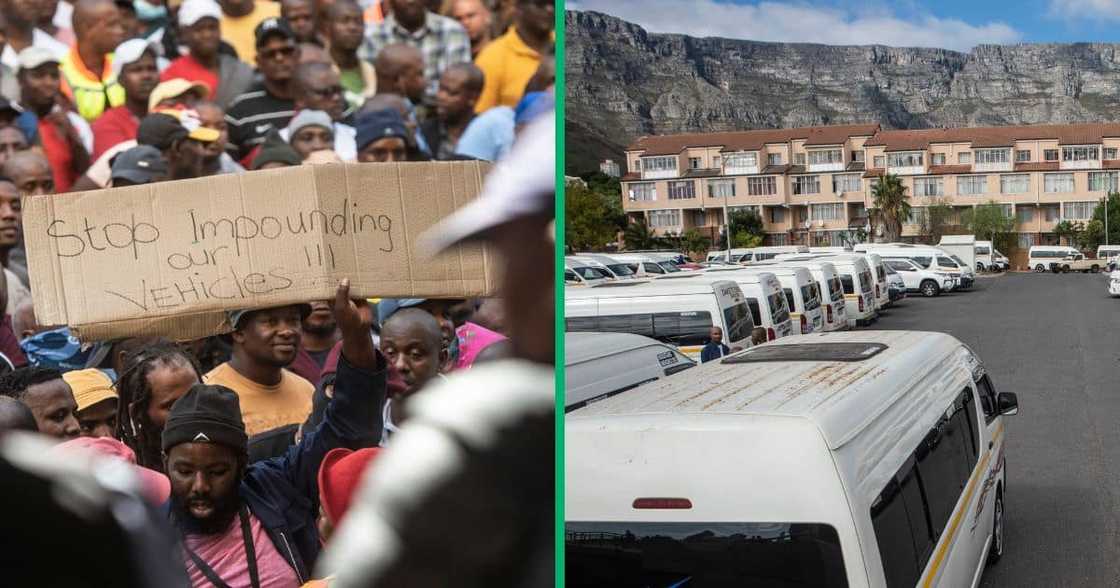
(715, 348)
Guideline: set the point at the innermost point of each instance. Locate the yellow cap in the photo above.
(89, 387)
(173, 88)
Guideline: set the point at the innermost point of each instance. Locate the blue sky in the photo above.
(951, 24)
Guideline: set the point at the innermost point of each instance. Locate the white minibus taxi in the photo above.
(678, 312)
(620, 269)
(599, 365)
(1108, 251)
(721, 255)
(645, 264)
(765, 298)
(803, 296)
(828, 284)
(859, 459)
(1040, 257)
(770, 252)
(855, 278)
(988, 258)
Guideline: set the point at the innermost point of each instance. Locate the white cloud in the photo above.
(1085, 9)
(773, 21)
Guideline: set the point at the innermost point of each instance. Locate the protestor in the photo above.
(143, 164)
(715, 348)
(65, 137)
(60, 30)
(758, 336)
(459, 88)
(400, 70)
(382, 137)
(275, 152)
(414, 347)
(265, 341)
(226, 76)
(477, 343)
(491, 315)
(16, 416)
(400, 104)
(48, 397)
(181, 138)
(240, 20)
(300, 15)
(87, 70)
(341, 471)
(11, 237)
(24, 324)
(490, 429)
(133, 27)
(13, 356)
(155, 485)
(441, 40)
(476, 19)
(12, 140)
(215, 159)
(316, 87)
(268, 105)
(344, 32)
(9, 109)
(20, 32)
(312, 53)
(310, 131)
(30, 172)
(177, 94)
(135, 68)
(151, 380)
(511, 60)
(320, 334)
(490, 135)
(242, 521)
(440, 310)
(96, 402)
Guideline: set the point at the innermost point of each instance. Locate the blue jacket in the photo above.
(712, 351)
(283, 492)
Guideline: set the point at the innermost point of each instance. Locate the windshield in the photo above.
(669, 267)
(945, 261)
(835, 289)
(923, 261)
(809, 295)
(701, 555)
(779, 312)
(959, 261)
(890, 270)
(590, 273)
(621, 269)
(982, 251)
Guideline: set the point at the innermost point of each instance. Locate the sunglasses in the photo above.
(327, 92)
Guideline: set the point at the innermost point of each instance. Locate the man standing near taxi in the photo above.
(88, 79)
(715, 348)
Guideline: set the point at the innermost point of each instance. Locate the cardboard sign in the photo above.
(170, 258)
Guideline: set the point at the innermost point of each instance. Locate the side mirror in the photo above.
(1008, 403)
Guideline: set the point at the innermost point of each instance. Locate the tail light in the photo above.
(876, 290)
(770, 334)
(804, 325)
(829, 310)
(861, 303)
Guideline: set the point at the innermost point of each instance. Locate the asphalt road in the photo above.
(1055, 341)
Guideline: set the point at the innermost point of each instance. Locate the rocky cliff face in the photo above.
(623, 82)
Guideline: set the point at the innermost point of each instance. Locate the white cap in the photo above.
(193, 11)
(131, 51)
(32, 57)
(523, 184)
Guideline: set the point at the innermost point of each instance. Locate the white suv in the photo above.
(920, 279)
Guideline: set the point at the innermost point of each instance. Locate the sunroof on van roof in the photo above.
(809, 352)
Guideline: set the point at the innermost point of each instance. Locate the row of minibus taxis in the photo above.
(832, 458)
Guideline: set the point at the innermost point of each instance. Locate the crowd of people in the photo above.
(389, 434)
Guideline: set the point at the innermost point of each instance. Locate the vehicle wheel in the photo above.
(1096, 268)
(1039, 268)
(996, 550)
(979, 267)
(930, 288)
(1065, 269)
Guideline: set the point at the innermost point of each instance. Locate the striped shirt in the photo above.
(442, 40)
(252, 115)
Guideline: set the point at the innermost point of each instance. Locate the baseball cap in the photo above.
(272, 26)
(387, 306)
(193, 11)
(140, 165)
(32, 57)
(89, 386)
(379, 124)
(235, 316)
(275, 150)
(520, 185)
(132, 50)
(174, 88)
(163, 128)
(309, 118)
(339, 474)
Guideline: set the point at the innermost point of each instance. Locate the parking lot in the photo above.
(1054, 340)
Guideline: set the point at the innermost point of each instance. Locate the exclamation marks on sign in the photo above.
(319, 255)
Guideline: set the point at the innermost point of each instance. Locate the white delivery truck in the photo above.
(963, 246)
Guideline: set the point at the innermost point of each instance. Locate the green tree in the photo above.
(1071, 230)
(1113, 217)
(989, 222)
(937, 219)
(745, 227)
(891, 206)
(693, 242)
(1093, 235)
(584, 211)
(638, 236)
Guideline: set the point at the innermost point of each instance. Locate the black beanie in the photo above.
(206, 414)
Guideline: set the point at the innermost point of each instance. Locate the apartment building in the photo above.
(813, 185)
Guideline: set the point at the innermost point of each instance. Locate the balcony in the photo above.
(1081, 164)
(993, 166)
(907, 170)
(660, 174)
(1081, 157)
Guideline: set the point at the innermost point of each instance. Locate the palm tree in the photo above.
(638, 235)
(892, 206)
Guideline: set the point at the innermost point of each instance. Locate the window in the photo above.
(988, 400)
(1050, 154)
(1025, 240)
(917, 215)
(964, 158)
(715, 161)
(679, 190)
(1057, 182)
(1024, 214)
(1103, 181)
(1051, 213)
(922, 261)
(944, 465)
(846, 183)
(570, 277)
(721, 188)
(1078, 210)
(789, 297)
(857, 156)
(693, 163)
(645, 192)
(778, 240)
(802, 214)
(880, 161)
(846, 282)
(1110, 153)
(900, 265)
(902, 531)
(777, 214)
(829, 156)
(664, 218)
(655, 164)
(1022, 155)
(678, 328)
(753, 209)
(1007, 209)
(740, 163)
(1014, 184)
(1081, 153)
(799, 159)
(992, 156)
(906, 159)
(929, 186)
(968, 185)
(764, 186)
(937, 159)
(806, 184)
(774, 159)
(827, 211)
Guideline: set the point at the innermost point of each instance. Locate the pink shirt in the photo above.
(473, 339)
(225, 553)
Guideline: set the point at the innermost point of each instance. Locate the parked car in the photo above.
(919, 279)
(1077, 263)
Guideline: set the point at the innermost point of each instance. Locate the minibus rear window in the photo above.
(865, 281)
(698, 555)
(739, 323)
(836, 290)
(779, 312)
(846, 281)
(811, 297)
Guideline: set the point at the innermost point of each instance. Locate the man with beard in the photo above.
(265, 341)
(134, 65)
(255, 524)
(152, 378)
(413, 344)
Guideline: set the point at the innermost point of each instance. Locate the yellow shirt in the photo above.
(264, 408)
(238, 30)
(508, 64)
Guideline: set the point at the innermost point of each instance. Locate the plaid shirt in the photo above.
(442, 41)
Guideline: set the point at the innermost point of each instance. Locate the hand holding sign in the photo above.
(355, 319)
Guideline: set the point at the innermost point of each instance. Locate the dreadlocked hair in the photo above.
(133, 387)
(14, 384)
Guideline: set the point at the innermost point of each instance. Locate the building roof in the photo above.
(1005, 136)
(854, 166)
(939, 170)
(701, 173)
(750, 140)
